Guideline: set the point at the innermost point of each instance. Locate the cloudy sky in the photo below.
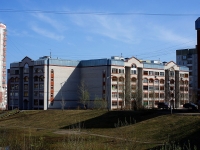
(92, 29)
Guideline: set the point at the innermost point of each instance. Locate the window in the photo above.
(52, 71)
(36, 70)
(171, 88)
(181, 75)
(16, 94)
(41, 102)
(162, 88)
(189, 61)
(41, 94)
(133, 79)
(41, 78)
(121, 79)
(161, 81)
(145, 80)
(171, 81)
(162, 95)
(133, 71)
(145, 95)
(35, 93)
(133, 87)
(151, 88)
(121, 87)
(151, 73)
(156, 87)
(156, 73)
(121, 71)
(35, 102)
(12, 80)
(186, 75)
(114, 103)
(145, 87)
(16, 71)
(150, 80)
(114, 87)
(26, 79)
(36, 78)
(51, 95)
(156, 81)
(41, 86)
(114, 95)
(114, 70)
(36, 86)
(121, 95)
(162, 74)
(156, 95)
(133, 66)
(26, 93)
(16, 79)
(171, 73)
(181, 82)
(184, 57)
(16, 87)
(25, 86)
(145, 72)
(114, 78)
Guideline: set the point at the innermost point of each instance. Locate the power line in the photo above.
(94, 13)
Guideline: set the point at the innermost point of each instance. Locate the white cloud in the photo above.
(121, 29)
(46, 33)
(167, 35)
(52, 22)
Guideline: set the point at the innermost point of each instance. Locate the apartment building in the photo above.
(188, 57)
(3, 86)
(49, 83)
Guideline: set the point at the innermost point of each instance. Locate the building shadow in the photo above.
(109, 119)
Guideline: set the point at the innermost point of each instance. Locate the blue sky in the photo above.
(94, 29)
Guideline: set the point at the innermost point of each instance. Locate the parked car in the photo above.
(163, 105)
(190, 106)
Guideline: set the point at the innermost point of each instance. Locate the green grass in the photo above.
(98, 129)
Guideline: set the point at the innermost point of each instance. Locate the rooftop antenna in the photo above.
(121, 54)
(50, 53)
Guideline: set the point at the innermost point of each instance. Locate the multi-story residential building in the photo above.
(46, 83)
(3, 94)
(188, 57)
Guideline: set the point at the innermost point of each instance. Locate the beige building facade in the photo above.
(119, 83)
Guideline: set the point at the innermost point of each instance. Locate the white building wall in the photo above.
(66, 82)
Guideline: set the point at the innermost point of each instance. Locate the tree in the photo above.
(193, 96)
(136, 96)
(100, 103)
(84, 95)
(63, 103)
(152, 97)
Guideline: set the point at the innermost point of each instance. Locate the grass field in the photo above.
(99, 129)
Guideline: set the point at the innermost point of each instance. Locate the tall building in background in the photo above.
(188, 57)
(3, 86)
(197, 27)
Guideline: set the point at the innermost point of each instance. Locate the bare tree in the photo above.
(84, 95)
(63, 103)
(100, 103)
(136, 96)
(152, 97)
(193, 96)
